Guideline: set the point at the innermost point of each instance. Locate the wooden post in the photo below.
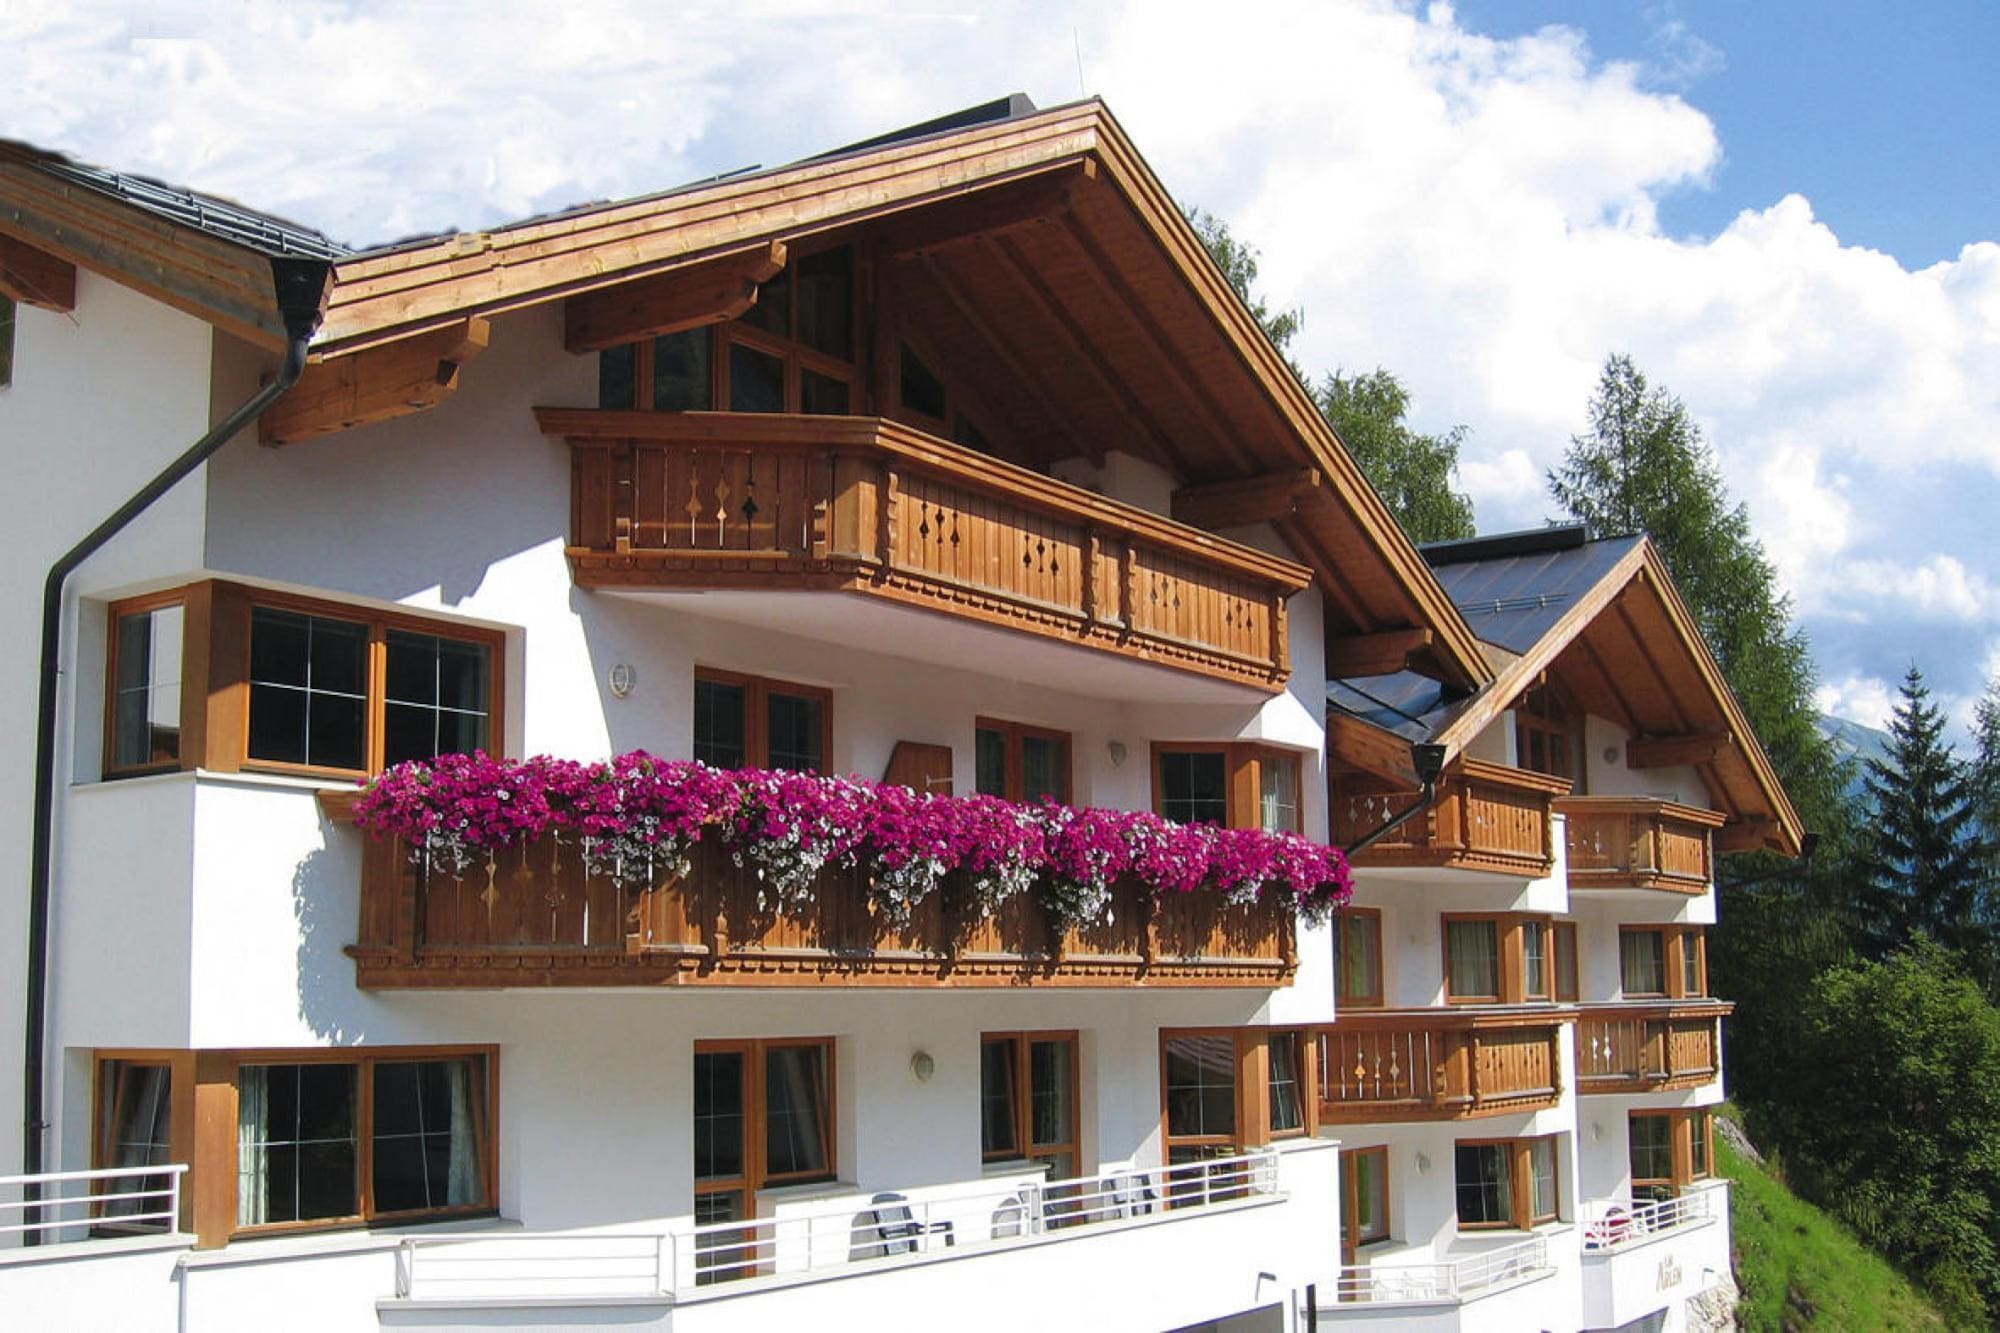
(210, 1187)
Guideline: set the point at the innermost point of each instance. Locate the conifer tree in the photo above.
(1412, 471)
(1925, 862)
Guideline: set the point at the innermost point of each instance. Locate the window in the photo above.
(1022, 763)
(793, 350)
(920, 389)
(6, 341)
(1358, 956)
(1565, 941)
(763, 1115)
(1284, 1082)
(1506, 1183)
(1240, 786)
(1226, 1089)
(1200, 1074)
(1545, 732)
(1663, 961)
(290, 683)
(671, 373)
(1670, 1150)
(1028, 1100)
(747, 721)
(1499, 958)
(1365, 1205)
(147, 638)
(135, 1128)
(387, 1136)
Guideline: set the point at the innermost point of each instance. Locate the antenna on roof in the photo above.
(1076, 42)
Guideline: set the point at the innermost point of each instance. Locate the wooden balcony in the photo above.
(1641, 1047)
(1380, 1066)
(711, 500)
(1487, 817)
(1622, 842)
(535, 917)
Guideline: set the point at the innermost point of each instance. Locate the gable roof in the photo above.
(1604, 618)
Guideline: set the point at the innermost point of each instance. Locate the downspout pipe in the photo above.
(300, 286)
(1428, 760)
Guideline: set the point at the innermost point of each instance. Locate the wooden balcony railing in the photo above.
(764, 501)
(1487, 817)
(1622, 842)
(1426, 1064)
(1644, 1047)
(536, 917)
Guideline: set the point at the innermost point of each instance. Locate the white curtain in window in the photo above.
(463, 1185)
(252, 1187)
(1473, 947)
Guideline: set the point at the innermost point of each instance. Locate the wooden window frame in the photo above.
(180, 1067)
(757, 691)
(1567, 729)
(756, 1175)
(1243, 782)
(1253, 1089)
(1342, 918)
(10, 321)
(1673, 970)
(1025, 1150)
(788, 348)
(215, 675)
(1013, 734)
(1684, 1123)
(1350, 1196)
(1520, 1181)
(1513, 958)
(1568, 964)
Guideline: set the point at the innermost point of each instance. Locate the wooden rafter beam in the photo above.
(1746, 835)
(710, 293)
(1231, 504)
(1700, 747)
(1352, 743)
(1376, 654)
(986, 213)
(376, 384)
(35, 277)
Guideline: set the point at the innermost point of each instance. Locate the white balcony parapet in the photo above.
(77, 1205)
(1450, 1281)
(861, 1234)
(1610, 1225)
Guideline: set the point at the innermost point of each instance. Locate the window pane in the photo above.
(795, 732)
(1565, 937)
(1691, 976)
(6, 341)
(1194, 787)
(308, 677)
(1287, 1103)
(336, 730)
(1201, 1086)
(1051, 1088)
(146, 709)
(822, 395)
(437, 696)
(719, 717)
(1278, 799)
(1371, 1194)
(997, 1132)
(794, 1111)
(990, 762)
(923, 391)
(339, 658)
(1642, 960)
(1652, 1139)
(718, 1115)
(773, 310)
(426, 1134)
(297, 1147)
(826, 302)
(756, 380)
(1485, 1183)
(1044, 768)
(681, 371)
(1542, 1161)
(139, 1104)
(1473, 949)
(1360, 957)
(278, 647)
(1698, 1129)
(616, 376)
(1535, 958)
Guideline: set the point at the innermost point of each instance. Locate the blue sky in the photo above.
(1784, 212)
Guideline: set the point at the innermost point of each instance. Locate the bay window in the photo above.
(1225, 1090)
(1669, 1150)
(1663, 962)
(135, 1128)
(1506, 1183)
(1505, 958)
(147, 640)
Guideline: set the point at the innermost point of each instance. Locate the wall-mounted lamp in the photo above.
(1610, 754)
(1596, 1132)
(922, 1066)
(1117, 751)
(1423, 1164)
(622, 679)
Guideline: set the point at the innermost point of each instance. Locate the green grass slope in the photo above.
(1801, 1269)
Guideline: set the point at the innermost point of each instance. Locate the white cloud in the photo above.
(1864, 699)
(1478, 215)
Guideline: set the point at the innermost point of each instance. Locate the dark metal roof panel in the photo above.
(1514, 600)
(189, 208)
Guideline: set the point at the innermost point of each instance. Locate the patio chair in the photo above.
(898, 1232)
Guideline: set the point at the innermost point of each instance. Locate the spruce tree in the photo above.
(1925, 862)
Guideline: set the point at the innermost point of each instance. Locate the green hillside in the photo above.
(1801, 1269)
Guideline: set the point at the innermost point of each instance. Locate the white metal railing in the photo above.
(77, 1204)
(1454, 1280)
(1611, 1224)
(857, 1234)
